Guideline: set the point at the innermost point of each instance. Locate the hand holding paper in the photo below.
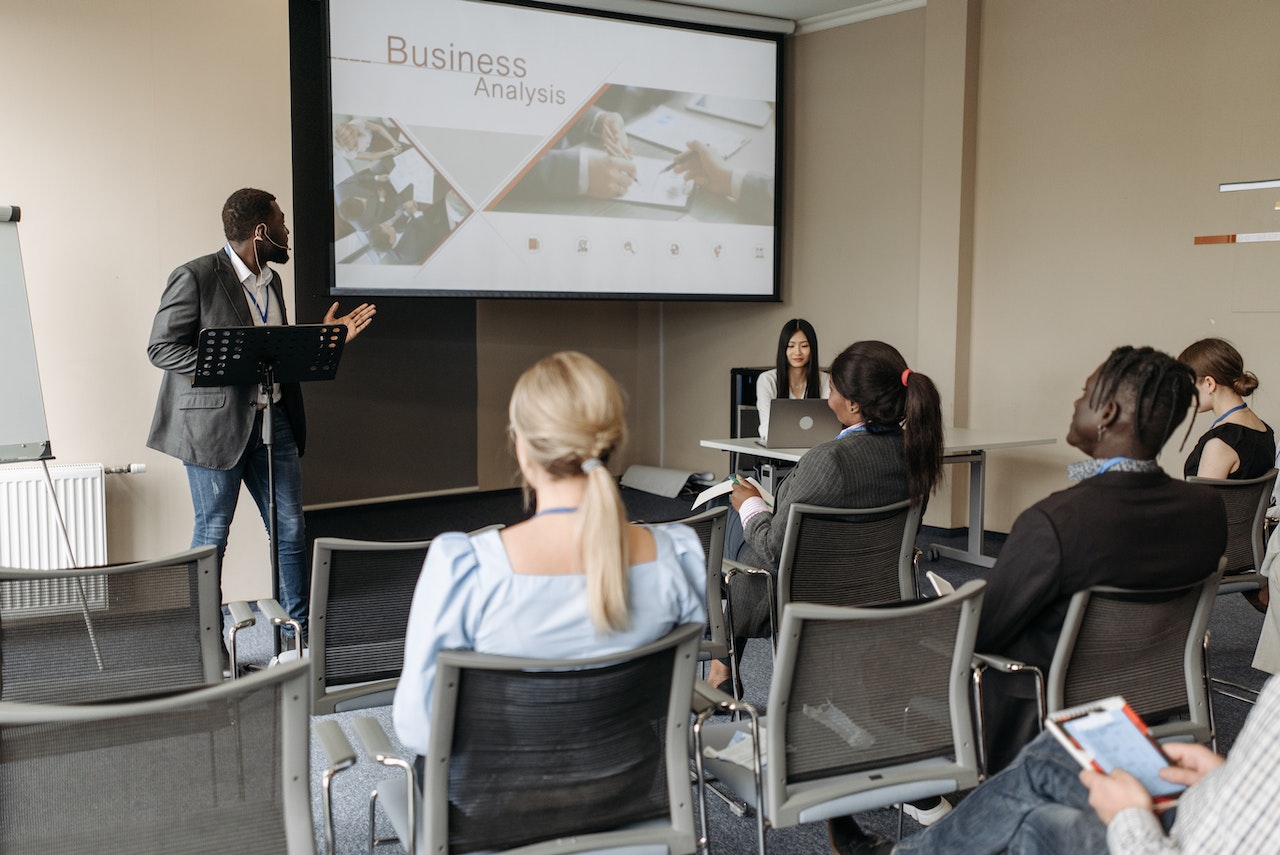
(727, 485)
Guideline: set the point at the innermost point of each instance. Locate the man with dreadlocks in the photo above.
(1126, 523)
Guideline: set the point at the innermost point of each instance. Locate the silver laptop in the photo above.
(800, 423)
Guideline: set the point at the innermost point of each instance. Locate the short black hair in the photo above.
(244, 210)
(1162, 388)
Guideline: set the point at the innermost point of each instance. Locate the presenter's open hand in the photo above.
(1110, 794)
(741, 492)
(705, 168)
(355, 321)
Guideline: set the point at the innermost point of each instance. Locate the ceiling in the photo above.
(793, 16)
(797, 10)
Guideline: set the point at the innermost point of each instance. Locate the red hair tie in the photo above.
(905, 373)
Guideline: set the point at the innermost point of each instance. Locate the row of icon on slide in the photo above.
(630, 247)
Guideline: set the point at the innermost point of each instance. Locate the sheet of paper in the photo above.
(726, 486)
(746, 111)
(940, 585)
(673, 129)
(412, 168)
(655, 187)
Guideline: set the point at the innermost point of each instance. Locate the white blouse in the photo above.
(767, 390)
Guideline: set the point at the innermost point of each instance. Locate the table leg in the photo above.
(973, 554)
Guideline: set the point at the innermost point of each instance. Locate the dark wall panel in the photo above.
(401, 415)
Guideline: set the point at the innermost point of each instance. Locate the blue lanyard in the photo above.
(262, 310)
(556, 511)
(1227, 413)
(1110, 462)
(860, 427)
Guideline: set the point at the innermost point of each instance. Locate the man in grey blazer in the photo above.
(217, 431)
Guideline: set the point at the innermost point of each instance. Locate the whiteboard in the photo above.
(24, 433)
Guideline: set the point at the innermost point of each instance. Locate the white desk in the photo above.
(962, 445)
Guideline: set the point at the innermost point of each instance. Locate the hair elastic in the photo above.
(905, 373)
(589, 464)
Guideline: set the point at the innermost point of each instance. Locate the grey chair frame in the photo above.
(710, 526)
(1249, 522)
(399, 796)
(208, 606)
(293, 724)
(1193, 676)
(786, 803)
(780, 591)
(327, 697)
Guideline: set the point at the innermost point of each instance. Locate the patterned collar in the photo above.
(1096, 466)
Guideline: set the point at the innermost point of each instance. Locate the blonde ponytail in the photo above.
(605, 550)
(569, 413)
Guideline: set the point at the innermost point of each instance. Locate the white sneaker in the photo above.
(928, 816)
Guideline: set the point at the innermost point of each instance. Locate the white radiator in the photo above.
(31, 538)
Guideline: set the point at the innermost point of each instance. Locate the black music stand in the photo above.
(264, 356)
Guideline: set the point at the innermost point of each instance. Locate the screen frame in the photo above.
(313, 178)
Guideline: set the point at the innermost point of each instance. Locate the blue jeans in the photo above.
(1037, 805)
(214, 493)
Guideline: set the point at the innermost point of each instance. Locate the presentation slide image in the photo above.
(628, 129)
(392, 206)
(463, 131)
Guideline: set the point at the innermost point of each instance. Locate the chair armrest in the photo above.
(241, 615)
(340, 756)
(730, 568)
(708, 700)
(275, 613)
(338, 752)
(374, 740)
(241, 618)
(707, 696)
(1001, 663)
(980, 663)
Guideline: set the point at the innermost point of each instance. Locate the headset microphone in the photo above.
(264, 234)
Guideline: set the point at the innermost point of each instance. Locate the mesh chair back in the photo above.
(535, 754)
(110, 633)
(1144, 645)
(221, 769)
(843, 557)
(360, 597)
(709, 526)
(866, 688)
(1246, 502)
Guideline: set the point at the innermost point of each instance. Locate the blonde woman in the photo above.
(575, 580)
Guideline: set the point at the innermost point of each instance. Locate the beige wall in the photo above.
(126, 126)
(1102, 130)
(851, 254)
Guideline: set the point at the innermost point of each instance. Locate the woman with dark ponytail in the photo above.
(890, 450)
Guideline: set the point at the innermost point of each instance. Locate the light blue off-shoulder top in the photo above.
(470, 598)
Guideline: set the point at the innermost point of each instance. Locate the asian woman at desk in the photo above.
(796, 360)
(573, 581)
(889, 450)
(1238, 444)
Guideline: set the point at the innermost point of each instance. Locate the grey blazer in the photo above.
(863, 470)
(207, 426)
